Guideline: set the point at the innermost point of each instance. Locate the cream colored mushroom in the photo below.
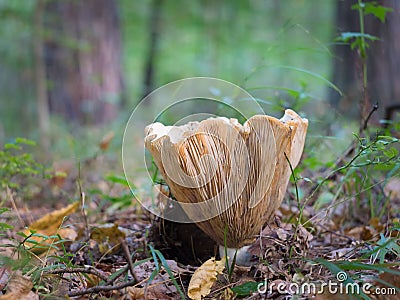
(234, 175)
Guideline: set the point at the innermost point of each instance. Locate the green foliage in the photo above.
(374, 163)
(386, 246)
(4, 226)
(17, 165)
(245, 289)
(355, 39)
(121, 199)
(373, 8)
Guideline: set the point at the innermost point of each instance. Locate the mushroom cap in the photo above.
(234, 175)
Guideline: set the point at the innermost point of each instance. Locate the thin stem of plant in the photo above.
(298, 203)
(364, 74)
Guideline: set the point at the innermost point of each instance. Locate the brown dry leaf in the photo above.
(135, 293)
(362, 233)
(61, 170)
(392, 281)
(204, 277)
(19, 287)
(49, 225)
(161, 287)
(92, 280)
(392, 188)
(376, 224)
(228, 294)
(108, 237)
(106, 140)
(151, 294)
(4, 276)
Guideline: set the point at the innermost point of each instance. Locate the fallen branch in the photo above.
(88, 270)
(102, 288)
(129, 259)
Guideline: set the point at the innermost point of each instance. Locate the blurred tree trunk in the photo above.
(40, 76)
(154, 29)
(383, 61)
(83, 60)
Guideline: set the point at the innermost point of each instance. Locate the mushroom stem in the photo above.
(243, 257)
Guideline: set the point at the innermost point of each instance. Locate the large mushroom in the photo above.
(233, 176)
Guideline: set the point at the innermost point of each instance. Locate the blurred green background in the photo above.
(75, 70)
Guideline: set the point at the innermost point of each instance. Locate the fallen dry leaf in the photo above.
(392, 188)
(228, 294)
(387, 280)
(4, 276)
(151, 294)
(106, 140)
(19, 287)
(49, 225)
(54, 219)
(204, 277)
(108, 237)
(361, 233)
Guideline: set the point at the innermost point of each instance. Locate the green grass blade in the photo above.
(170, 274)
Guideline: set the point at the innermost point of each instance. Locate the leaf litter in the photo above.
(91, 264)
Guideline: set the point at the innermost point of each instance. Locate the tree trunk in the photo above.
(154, 29)
(40, 77)
(83, 58)
(383, 61)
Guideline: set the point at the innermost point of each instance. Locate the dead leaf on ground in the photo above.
(204, 277)
(228, 294)
(108, 237)
(387, 280)
(151, 294)
(362, 233)
(54, 219)
(106, 140)
(19, 287)
(4, 277)
(49, 225)
(160, 287)
(392, 188)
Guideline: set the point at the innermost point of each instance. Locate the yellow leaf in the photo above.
(204, 278)
(55, 218)
(108, 237)
(49, 225)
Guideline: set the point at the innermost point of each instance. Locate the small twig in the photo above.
(374, 109)
(10, 196)
(82, 195)
(337, 233)
(89, 270)
(102, 288)
(129, 258)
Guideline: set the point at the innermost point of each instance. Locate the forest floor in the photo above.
(97, 242)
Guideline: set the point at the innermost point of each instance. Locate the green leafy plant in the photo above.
(359, 41)
(246, 289)
(119, 200)
(17, 165)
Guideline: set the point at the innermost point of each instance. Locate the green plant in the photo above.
(359, 41)
(17, 165)
(121, 198)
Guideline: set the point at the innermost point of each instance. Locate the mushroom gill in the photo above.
(235, 176)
